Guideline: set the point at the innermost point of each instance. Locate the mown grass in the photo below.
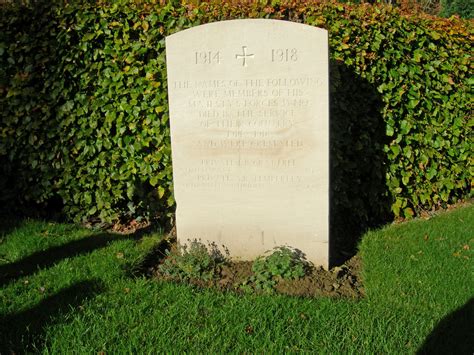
(65, 289)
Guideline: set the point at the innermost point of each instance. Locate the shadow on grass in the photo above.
(47, 258)
(7, 225)
(454, 334)
(147, 265)
(23, 332)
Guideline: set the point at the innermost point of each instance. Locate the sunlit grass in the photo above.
(76, 295)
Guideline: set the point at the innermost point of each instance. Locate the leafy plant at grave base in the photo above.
(84, 113)
(282, 263)
(193, 261)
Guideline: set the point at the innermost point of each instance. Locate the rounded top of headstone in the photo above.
(249, 25)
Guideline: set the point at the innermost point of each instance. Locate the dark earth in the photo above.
(340, 281)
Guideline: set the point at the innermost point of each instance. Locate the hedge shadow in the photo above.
(24, 329)
(453, 334)
(359, 197)
(48, 258)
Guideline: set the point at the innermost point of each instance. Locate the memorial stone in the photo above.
(249, 120)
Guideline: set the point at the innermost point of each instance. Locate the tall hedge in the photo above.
(84, 113)
(463, 8)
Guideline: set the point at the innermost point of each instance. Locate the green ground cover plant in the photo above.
(84, 119)
(194, 260)
(64, 288)
(282, 262)
(282, 270)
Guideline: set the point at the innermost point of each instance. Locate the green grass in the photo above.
(76, 294)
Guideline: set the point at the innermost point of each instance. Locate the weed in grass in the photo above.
(193, 261)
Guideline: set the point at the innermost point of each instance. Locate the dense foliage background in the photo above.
(84, 115)
(463, 8)
(444, 8)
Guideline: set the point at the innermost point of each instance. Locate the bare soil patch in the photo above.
(341, 281)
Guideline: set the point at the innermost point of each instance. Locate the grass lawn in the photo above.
(66, 289)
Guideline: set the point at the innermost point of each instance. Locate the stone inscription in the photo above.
(277, 55)
(251, 116)
(249, 129)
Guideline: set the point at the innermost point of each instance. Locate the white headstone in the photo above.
(249, 116)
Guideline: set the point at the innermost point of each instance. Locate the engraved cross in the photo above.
(244, 56)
